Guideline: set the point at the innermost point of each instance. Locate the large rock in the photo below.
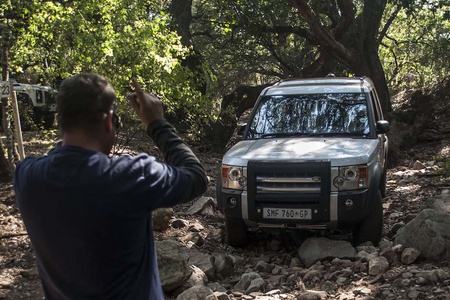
(429, 233)
(246, 281)
(198, 277)
(378, 265)
(201, 260)
(198, 292)
(204, 206)
(317, 249)
(173, 268)
(442, 201)
(223, 265)
(313, 295)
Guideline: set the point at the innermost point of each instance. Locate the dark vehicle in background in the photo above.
(37, 105)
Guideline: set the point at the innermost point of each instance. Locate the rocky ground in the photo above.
(270, 267)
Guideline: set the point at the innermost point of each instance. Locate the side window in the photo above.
(39, 96)
(376, 105)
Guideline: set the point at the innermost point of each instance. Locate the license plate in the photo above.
(287, 213)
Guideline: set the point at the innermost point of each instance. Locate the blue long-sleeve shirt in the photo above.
(89, 215)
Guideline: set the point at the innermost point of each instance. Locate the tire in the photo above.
(236, 232)
(383, 183)
(48, 121)
(218, 192)
(26, 111)
(371, 228)
(44, 120)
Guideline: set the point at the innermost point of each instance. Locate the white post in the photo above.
(17, 125)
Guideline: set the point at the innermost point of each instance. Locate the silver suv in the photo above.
(312, 156)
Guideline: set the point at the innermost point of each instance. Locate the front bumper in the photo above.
(342, 209)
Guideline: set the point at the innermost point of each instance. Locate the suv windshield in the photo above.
(310, 114)
(50, 97)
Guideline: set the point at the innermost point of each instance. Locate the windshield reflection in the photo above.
(310, 114)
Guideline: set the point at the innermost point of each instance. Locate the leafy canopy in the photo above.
(118, 39)
(415, 49)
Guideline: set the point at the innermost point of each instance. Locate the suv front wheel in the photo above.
(371, 228)
(383, 183)
(236, 232)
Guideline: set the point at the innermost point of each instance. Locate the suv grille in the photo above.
(286, 182)
(289, 184)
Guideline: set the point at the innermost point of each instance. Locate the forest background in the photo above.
(208, 60)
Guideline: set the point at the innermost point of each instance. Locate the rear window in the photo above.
(310, 114)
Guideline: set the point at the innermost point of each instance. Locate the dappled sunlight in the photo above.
(39, 142)
(407, 189)
(302, 147)
(445, 151)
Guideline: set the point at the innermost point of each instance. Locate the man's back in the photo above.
(88, 215)
(103, 222)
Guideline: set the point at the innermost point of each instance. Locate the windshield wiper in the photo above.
(313, 134)
(339, 134)
(283, 134)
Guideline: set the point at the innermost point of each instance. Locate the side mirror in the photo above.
(382, 127)
(241, 129)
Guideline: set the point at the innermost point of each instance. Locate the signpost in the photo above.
(7, 91)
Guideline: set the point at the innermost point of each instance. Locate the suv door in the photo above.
(382, 138)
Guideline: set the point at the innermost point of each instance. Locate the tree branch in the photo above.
(348, 13)
(386, 26)
(372, 14)
(325, 40)
(289, 29)
(12, 235)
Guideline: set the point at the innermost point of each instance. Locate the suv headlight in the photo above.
(352, 178)
(234, 177)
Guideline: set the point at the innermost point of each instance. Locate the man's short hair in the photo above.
(83, 100)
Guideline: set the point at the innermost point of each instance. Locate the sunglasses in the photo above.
(116, 120)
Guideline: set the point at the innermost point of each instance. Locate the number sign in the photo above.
(5, 89)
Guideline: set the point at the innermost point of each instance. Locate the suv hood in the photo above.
(340, 151)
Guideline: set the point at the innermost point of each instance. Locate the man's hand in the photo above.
(147, 106)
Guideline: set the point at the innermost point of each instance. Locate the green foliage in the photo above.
(109, 37)
(117, 39)
(415, 52)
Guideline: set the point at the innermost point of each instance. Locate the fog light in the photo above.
(232, 202)
(339, 181)
(243, 181)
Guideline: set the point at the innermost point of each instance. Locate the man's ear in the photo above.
(109, 123)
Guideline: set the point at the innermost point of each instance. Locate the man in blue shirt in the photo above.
(88, 215)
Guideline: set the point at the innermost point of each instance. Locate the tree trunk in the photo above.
(5, 168)
(376, 73)
(370, 26)
(181, 12)
(232, 108)
(6, 161)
